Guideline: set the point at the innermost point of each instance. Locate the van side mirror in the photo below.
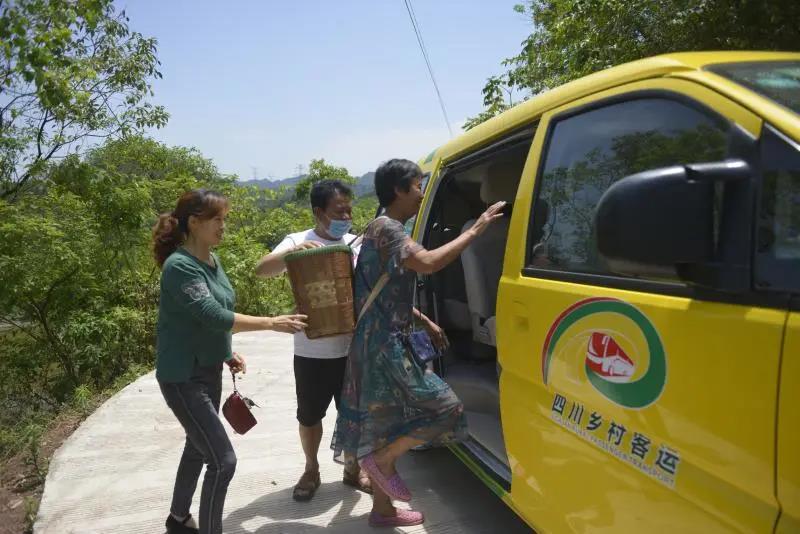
(661, 222)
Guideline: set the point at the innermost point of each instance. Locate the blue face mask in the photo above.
(339, 227)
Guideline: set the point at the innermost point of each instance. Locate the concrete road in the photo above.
(115, 473)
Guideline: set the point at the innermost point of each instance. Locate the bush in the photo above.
(78, 280)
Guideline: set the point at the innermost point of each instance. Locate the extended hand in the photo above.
(237, 364)
(494, 212)
(305, 245)
(289, 323)
(436, 333)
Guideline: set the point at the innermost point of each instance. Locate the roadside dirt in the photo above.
(22, 477)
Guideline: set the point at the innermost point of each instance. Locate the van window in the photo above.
(778, 236)
(590, 151)
(409, 226)
(777, 80)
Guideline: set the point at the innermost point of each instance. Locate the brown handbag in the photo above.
(237, 410)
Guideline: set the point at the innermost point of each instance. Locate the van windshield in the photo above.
(777, 80)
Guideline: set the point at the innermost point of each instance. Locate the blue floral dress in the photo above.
(386, 395)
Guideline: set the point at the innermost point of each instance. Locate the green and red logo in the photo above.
(621, 351)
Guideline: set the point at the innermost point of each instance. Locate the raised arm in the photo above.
(186, 285)
(430, 261)
(273, 263)
(280, 323)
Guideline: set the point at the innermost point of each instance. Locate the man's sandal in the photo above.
(306, 487)
(358, 480)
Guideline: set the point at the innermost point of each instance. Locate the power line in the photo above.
(418, 33)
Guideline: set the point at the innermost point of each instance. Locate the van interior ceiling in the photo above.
(462, 296)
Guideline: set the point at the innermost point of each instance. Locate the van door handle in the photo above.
(520, 316)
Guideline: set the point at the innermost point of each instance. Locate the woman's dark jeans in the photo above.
(196, 405)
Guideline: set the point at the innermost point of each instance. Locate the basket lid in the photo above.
(328, 249)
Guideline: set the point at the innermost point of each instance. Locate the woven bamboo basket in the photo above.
(322, 284)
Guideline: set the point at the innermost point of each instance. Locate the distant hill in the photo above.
(365, 185)
(266, 183)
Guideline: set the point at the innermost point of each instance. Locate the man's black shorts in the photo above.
(317, 381)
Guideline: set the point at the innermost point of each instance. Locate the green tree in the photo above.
(319, 170)
(77, 279)
(498, 96)
(44, 257)
(78, 284)
(71, 73)
(573, 38)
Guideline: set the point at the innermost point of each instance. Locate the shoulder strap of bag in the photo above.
(233, 375)
(381, 281)
(356, 241)
(360, 237)
(374, 293)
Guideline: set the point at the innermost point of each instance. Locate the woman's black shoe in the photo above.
(179, 527)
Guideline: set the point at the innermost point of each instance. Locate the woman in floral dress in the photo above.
(389, 403)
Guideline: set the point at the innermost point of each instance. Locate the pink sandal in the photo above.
(403, 518)
(393, 486)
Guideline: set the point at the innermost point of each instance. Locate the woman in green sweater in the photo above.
(195, 323)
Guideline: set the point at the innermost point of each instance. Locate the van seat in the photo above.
(456, 315)
(483, 265)
(483, 259)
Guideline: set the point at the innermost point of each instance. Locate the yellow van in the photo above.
(626, 341)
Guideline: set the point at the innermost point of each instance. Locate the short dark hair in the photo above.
(395, 173)
(323, 191)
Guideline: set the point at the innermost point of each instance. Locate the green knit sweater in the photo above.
(195, 316)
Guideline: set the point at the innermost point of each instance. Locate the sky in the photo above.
(262, 87)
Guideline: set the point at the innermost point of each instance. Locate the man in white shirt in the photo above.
(319, 364)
